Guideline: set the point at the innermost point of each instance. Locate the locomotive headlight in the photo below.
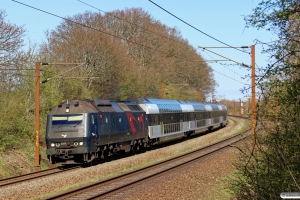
(57, 144)
(80, 143)
(75, 143)
(52, 145)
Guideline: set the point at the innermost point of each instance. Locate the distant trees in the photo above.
(14, 94)
(273, 166)
(11, 40)
(132, 58)
(114, 56)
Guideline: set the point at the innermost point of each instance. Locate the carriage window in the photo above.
(106, 120)
(154, 120)
(185, 118)
(207, 115)
(192, 116)
(120, 119)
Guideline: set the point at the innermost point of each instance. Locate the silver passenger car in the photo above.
(171, 119)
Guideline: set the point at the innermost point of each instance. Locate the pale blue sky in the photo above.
(222, 19)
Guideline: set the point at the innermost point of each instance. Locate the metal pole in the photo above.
(253, 94)
(37, 116)
(241, 113)
(233, 107)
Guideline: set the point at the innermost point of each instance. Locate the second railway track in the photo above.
(34, 175)
(110, 187)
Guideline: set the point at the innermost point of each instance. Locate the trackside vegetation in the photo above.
(115, 59)
(272, 167)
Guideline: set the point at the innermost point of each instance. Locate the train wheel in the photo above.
(53, 160)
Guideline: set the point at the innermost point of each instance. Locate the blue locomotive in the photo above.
(79, 131)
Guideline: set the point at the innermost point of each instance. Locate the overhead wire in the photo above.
(230, 77)
(90, 27)
(44, 81)
(130, 22)
(223, 65)
(195, 27)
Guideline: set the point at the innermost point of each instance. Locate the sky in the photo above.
(220, 19)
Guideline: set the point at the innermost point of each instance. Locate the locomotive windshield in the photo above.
(67, 119)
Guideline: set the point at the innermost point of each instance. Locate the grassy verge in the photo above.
(15, 162)
(4, 169)
(220, 189)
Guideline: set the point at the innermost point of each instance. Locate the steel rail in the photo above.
(33, 175)
(111, 186)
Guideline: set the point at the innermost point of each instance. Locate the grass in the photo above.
(221, 191)
(19, 161)
(5, 172)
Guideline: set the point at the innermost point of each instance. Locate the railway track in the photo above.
(33, 175)
(114, 186)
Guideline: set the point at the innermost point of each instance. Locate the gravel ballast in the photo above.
(195, 182)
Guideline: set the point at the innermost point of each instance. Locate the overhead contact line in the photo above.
(133, 42)
(196, 28)
(90, 27)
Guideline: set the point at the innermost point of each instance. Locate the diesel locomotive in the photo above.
(79, 131)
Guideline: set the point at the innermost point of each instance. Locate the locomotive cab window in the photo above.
(67, 119)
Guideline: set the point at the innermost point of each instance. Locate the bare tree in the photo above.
(11, 41)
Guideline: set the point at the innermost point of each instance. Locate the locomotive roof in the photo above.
(73, 106)
(95, 106)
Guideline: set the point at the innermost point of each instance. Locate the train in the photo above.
(80, 131)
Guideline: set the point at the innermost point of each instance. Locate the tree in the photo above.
(273, 165)
(127, 53)
(16, 97)
(11, 41)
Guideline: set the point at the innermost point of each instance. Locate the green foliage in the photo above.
(272, 168)
(273, 165)
(16, 122)
(103, 67)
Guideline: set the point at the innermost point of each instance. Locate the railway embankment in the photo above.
(56, 184)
